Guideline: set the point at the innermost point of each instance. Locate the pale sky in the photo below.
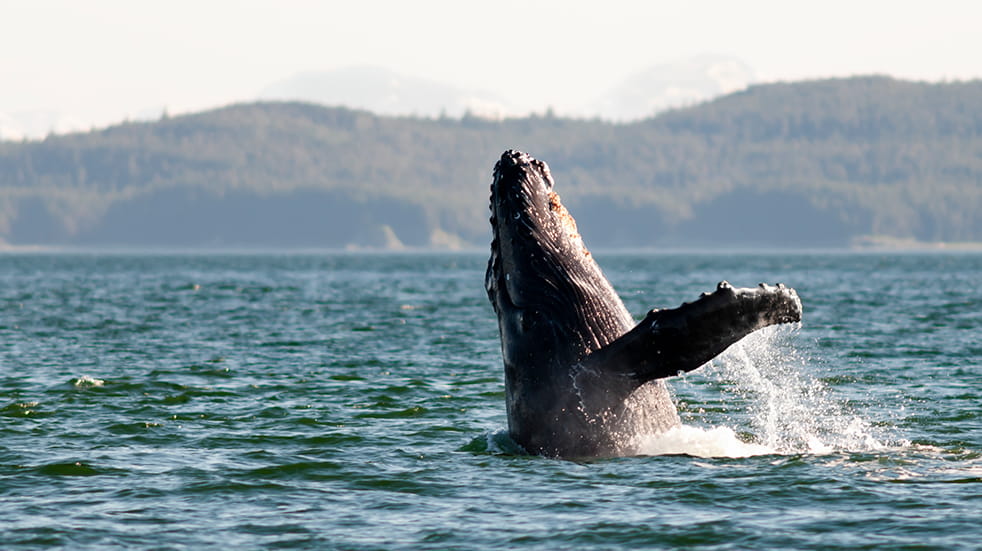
(102, 60)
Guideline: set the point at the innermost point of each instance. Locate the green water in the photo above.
(342, 401)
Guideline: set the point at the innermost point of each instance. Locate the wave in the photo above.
(768, 391)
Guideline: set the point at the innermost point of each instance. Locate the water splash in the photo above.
(791, 410)
(86, 381)
(763, 389)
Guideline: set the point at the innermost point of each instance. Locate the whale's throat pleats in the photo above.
(540, 265)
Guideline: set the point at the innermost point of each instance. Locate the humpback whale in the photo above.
(583, 379)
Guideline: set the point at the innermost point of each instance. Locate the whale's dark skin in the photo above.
(582, 377)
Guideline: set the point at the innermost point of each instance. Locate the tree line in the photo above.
(792, 164)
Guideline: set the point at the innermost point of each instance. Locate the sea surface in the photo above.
(355, 401)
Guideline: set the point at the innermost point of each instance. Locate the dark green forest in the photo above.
(831, 163)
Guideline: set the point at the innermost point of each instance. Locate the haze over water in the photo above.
(71, 66)
(356, 401)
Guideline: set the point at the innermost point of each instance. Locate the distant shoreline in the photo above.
(887, 243)
(875, 247)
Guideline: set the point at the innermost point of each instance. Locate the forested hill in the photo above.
(823, 163)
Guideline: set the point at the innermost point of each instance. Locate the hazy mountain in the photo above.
(681, 83)
(18, 125)
(386, 92)
(677, 84)
(822, 163)
(39, 123)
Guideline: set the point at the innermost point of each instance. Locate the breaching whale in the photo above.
(582, 378)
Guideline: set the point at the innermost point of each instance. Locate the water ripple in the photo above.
(356, 402)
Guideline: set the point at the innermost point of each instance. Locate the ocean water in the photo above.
(355, 401)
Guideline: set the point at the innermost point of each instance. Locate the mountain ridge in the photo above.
(819, 163)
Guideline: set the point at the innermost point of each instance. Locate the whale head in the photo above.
(541, 276)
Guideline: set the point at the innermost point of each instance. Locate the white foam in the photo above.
(698, 442)
(88, 382)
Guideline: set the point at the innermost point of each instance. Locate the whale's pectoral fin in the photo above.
(668, 342)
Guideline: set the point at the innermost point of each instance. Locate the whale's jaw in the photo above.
(539, 265)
